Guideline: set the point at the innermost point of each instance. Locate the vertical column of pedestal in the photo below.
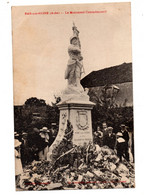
(62, 128)
(62, 122)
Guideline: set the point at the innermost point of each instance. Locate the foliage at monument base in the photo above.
(103, 171)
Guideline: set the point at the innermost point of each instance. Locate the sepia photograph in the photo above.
(73, 96)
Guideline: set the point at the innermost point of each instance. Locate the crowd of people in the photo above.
(121, 142)
(34, 145)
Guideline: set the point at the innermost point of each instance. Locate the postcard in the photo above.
(73, 96)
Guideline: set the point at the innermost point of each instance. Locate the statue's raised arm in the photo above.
(76, 33)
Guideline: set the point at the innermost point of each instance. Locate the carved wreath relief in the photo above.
(64, 118)
(82, 120)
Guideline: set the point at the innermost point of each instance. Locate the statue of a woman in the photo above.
(74, 70)
(74, 67)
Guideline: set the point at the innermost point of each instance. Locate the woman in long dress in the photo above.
(18, 164)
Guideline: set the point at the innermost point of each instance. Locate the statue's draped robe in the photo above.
(74, 66)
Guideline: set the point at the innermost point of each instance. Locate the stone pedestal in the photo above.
(79, 115)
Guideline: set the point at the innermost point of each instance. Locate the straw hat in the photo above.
(44, 129)
(53, 124)
(122, 125)
(24, 133)
(110, 128)
(16, 134)
(17, 143)
(119, 134)
(120, 140)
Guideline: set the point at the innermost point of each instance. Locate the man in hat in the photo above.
(105, 132)
(32, 145)
(98, 136)
(120, 146)
(125, 136)
(52, 133)
(109, 138)
(43, 143)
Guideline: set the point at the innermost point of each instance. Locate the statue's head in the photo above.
(74, 40)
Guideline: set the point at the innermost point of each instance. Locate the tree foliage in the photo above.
(33, 101)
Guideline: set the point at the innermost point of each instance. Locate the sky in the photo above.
(40, 43)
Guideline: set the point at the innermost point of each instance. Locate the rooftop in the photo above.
(112, 75)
